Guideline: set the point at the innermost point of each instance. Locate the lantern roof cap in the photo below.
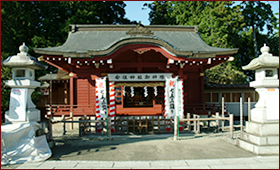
(23, 59)
(265, 60)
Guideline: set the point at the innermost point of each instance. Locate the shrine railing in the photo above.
(204, 109)
(81, 110)
(77, 110)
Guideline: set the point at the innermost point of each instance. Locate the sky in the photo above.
(135, 12)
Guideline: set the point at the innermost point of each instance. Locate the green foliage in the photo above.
(159, 13)
(46, 24)
(258, 14)
(216, 19)
(221, 24)
(36, 95)
(276, 26)
(225, 73)
(5, 91)
(5, 98)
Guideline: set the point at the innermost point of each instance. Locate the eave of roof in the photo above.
(229, 86)
(102, 40)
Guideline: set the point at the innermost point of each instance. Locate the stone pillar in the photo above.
(262, 132)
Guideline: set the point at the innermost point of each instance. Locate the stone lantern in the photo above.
(23, 83)
(262, 132)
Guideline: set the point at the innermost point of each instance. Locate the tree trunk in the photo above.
(255, 42)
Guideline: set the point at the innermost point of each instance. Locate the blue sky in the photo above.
(134, 10)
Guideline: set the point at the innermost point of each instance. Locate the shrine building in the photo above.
(135, 59)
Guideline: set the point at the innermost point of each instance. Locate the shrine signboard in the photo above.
(139, 77)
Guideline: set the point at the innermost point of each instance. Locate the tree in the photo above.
(221, 24)
(256, 15)
(5, 92)
(216, 19)
(225, 73)
(159, 13)
(45, 24)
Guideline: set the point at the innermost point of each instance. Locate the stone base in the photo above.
(261, 138)
(260, 115)
(257, 149)
(51, 144)
(262, 129)
(33, 115)
(30, 116)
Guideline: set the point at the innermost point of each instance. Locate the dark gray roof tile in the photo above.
(179, 40)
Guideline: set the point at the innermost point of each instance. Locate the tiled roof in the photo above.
(101, 40)
(227, 86)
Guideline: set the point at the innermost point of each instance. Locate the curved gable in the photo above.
(103, 40)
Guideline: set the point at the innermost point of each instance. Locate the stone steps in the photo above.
(261, 138)
(259, 149)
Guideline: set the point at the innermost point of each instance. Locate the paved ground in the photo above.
(265, 162)
(203, 151)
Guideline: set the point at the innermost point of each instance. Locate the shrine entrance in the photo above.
(139, 94)
(143, 97)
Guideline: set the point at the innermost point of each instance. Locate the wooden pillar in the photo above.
(231, 125)
(201, 75)
(189, 122)
(65, 93)
(175, 127)
(71, 75)
(109, 128)
(209, 115)
(194, 124)
(241, 117)
(63, 123)
(198, 124)
(158, 124)
(217, 121)
(223, 113)
(249, 109)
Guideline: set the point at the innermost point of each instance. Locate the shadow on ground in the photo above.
(145, 147)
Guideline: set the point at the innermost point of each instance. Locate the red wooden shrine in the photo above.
(93, 51)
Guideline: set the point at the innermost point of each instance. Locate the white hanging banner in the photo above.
(101, 98)
(170, 110)
(174, 98)
(180, 98)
